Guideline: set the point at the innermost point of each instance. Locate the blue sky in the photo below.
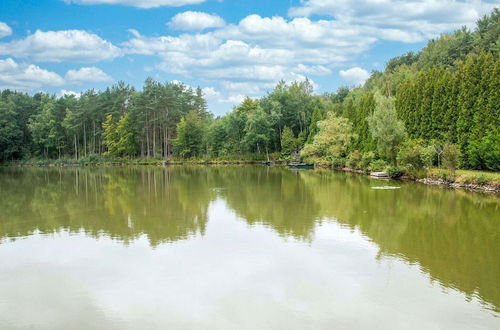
(230, 48)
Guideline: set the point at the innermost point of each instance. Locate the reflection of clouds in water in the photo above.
(234, 276)
(276, 243)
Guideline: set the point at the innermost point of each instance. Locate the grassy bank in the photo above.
(96, 160)
(466, 178)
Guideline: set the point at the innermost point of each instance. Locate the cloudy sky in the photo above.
(230, 48)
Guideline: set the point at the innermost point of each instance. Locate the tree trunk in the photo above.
(84, 140)
(93, 147)
(165, 141)
(154, 139)
(147, 140)
(76, 149)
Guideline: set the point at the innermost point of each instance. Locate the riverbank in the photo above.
(462, 179)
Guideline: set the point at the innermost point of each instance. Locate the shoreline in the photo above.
(428, 181)
(485, 188)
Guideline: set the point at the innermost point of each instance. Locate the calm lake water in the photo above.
(243, 247)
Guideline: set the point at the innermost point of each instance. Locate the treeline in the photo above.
(119, 121)
(440, 106)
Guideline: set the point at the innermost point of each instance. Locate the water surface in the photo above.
(242, 247)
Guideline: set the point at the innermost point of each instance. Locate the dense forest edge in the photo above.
(430, 114)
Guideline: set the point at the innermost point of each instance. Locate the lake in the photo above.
(243, 247)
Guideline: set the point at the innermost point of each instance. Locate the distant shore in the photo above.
(470, 180)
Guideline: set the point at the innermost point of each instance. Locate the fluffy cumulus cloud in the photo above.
(406, 21)
(354, 76)
(59, 46)
(248, 58)
(5, 30)
(88, 74)
(21, 76)
(258, 48)
(138, 3)
(29, 77)
(195, 21)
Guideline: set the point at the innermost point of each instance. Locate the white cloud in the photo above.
(139, 3)
(59, 46)
(92, 74)
(406, 21)
(319, 70)
(64, 92)
(264, 49)
(5, 30)
(195, 21)
(27, 77)
(233, 99)
(244, 87)
(20, 76)
(210, 92)
(355, 76)
(249, 57)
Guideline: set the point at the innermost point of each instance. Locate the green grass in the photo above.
(489, 175)
(466, 176)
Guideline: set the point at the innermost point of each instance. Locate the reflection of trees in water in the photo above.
(452, 235)
(166, 204)
(273, 197)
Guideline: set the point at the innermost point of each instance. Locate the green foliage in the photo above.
(334, 137)
(451, 157)
(428, 155)
(313, 128)
(354, 160)
(366, 159)
(126, 134)
(386, 129)
(10, 133)
(378, 165)
(415, 156)
(288, 142)
(488, 30)
(189, 141)
(405, 59)
(338, 162)
(46, 128)
(119, 137)
(394, 172)
(110, 136)
(257, 131)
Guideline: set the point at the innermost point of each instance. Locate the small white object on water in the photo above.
(386, 188)
(379, 175)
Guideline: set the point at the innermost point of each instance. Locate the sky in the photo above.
(229, 48)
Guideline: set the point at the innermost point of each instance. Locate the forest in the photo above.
(436, 107)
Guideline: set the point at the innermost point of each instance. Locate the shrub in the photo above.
(428, 155)
(450, 157)
(338, 162)
(394, 172)
(354, 160)
(442, 174)
(366, 160)
(410, 156)
(378, 165)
